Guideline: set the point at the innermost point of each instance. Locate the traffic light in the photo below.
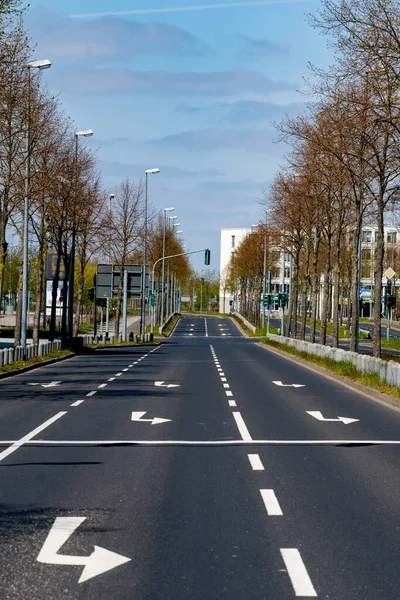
(207, 255)
(267, 299)
(391, 303)
(389, 287)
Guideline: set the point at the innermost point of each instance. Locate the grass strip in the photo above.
(15, 366)
(343, 368)
(259, 332)
(167, 330)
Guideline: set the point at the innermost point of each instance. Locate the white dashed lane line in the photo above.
(102, 385)
(297, 571)
(271, 503)
(255, 462)
(241, 425)
(92, 393)
(77, 403)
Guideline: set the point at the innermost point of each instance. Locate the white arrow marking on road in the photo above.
(137, 416)
(168, 385)
(100, 561)
(318, 415)
(47, 385)
(295, 385)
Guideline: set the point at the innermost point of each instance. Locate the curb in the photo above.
(44, 363)
(242, 331)
(363, 390)
(173, 329)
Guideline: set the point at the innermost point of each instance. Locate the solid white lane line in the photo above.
(232, 403)
(255, 462)
(102, 385)
(31, 435)
(77, 403)
(271, 503)
(111, 379)
(226, 385)
(228, 393)
(92, 393)
(205, 323)
(241, 425)
(199, 443)
(298, 573)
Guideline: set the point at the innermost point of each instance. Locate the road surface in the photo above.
(195, 470)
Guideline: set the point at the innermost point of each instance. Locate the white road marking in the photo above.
(77, 403)
(241, 442)
(137, 416)
(135, 363)
(271, 503)
(118, 374)
(219, 369)
(228, 393)
(226, 385)
(92, 393)
(298, 573)
(124, 370)
(111, 379)
(255, 462)
(295, 385)
(167, 385)
(318, 415)
(223, 378)
(100, 561)
(241, 425)
(102, 385)
(28, 437)
(130, 366)
(232, 403)
(205, 323)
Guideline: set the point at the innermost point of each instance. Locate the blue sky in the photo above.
(192, 92)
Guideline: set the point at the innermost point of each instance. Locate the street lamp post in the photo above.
(143, 304)
(170, 209)
(40, 65)
(71, 274)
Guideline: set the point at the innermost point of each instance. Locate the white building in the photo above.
(230, 240)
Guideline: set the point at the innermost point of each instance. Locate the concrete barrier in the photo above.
(248, 325)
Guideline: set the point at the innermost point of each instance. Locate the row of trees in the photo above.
(66, 198)
(343, 170)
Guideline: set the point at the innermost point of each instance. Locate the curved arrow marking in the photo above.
(295, 385)
(137, 416)
(100, 561)
(318, 415)
(167, 385)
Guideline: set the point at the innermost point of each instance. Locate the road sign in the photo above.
(109, 277)
(51, 266)
(389, 273)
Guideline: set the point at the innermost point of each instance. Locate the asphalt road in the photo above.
(227, 486)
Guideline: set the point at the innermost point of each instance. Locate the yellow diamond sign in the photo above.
(389, 273)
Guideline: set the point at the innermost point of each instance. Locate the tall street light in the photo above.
(40, 65)
(143, 305)
(71, 274)
(170, 209)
